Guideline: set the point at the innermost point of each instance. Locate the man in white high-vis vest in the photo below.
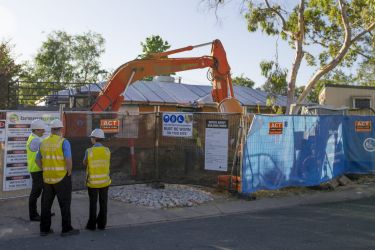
(55, 159)
(97, 159)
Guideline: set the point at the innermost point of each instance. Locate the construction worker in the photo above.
(97, 159)
(32, 146)
(55, 159)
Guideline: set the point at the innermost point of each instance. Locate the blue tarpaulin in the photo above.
(285, 151)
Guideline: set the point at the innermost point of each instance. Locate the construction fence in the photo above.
(181, 148)
(283, 151)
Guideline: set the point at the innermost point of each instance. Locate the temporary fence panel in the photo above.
(14, 132)
(141, 150)
(359, 144)
(130, 138)
(306, 150)
(181, 159)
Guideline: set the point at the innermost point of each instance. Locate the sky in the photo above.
(124, 24)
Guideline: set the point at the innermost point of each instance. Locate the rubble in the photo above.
(172, 195)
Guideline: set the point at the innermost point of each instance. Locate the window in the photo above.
(361, 102)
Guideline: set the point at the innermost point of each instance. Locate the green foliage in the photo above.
(153, 44)
(336, 76)
(63, 61)
(276, 83)
(323, 25)
(9, 70)
(65, 58)
(366, 72)
(243, 81)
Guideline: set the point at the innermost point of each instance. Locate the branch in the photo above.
(367, 30)
(335, 61)
(281, 17)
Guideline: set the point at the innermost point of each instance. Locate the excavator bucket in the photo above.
(230, 105)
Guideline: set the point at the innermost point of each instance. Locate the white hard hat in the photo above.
(97, 133)
(56, 124)
(37, 124)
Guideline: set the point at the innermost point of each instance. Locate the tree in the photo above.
(276, 83)
(153, 44)
(243, 81)
(63, 61)
(65, 58)
(336, 76)
(339, 29)
(9, 70)
(366, 72)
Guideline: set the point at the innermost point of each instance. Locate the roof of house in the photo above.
(169, 92)
(180, 93)
(348, 86)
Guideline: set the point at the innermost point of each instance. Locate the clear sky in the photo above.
(126, 23)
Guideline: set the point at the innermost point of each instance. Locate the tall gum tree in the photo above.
(338, 29)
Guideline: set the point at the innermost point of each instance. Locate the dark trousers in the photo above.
(101, 218)
(63, 191)
(36, 190)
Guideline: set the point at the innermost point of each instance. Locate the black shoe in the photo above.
(70, 232)
(46, 233)
(91, 228)
(35, 218)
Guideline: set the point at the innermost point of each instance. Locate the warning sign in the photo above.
(363, 126)
(110, 125)
(275, 128)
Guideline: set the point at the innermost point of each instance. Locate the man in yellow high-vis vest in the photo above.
(55, 159)
(97, 159)
(32, 146)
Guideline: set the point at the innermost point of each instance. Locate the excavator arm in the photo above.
(160, 64)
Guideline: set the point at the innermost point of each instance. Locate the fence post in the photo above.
(156, 151)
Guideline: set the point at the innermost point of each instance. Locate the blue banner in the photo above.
(285, 151)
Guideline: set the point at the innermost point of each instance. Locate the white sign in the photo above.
(216, 146)
(178, 124)
(18, 130)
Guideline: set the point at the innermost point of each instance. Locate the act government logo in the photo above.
(369, 144)
(14, 118)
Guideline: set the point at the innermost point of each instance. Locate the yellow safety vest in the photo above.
(98, 159)
(31, 156)
(53, 161)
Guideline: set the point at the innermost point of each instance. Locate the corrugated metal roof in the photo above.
(181, 93)
(169, 92)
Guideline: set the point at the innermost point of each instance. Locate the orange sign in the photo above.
(363, 126)
(110, 125)
(275, 128)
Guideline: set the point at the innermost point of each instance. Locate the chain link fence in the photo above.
(140, 153)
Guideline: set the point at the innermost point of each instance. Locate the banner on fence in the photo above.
(310, 150)
(17, 131)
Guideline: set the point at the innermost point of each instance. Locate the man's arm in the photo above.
(85, 159)
(68, 164)
(38, 160)
(68, 156)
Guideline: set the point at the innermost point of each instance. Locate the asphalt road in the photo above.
(341, 225)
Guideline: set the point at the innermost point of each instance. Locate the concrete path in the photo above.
(14, 221)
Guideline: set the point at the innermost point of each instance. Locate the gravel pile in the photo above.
(172, 195)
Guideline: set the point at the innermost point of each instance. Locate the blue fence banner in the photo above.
(283, 151)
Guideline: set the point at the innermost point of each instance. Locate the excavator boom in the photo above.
(160, 64)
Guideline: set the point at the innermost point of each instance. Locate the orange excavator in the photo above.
(159, 64)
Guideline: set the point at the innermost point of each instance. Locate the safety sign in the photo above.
(178, 124)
